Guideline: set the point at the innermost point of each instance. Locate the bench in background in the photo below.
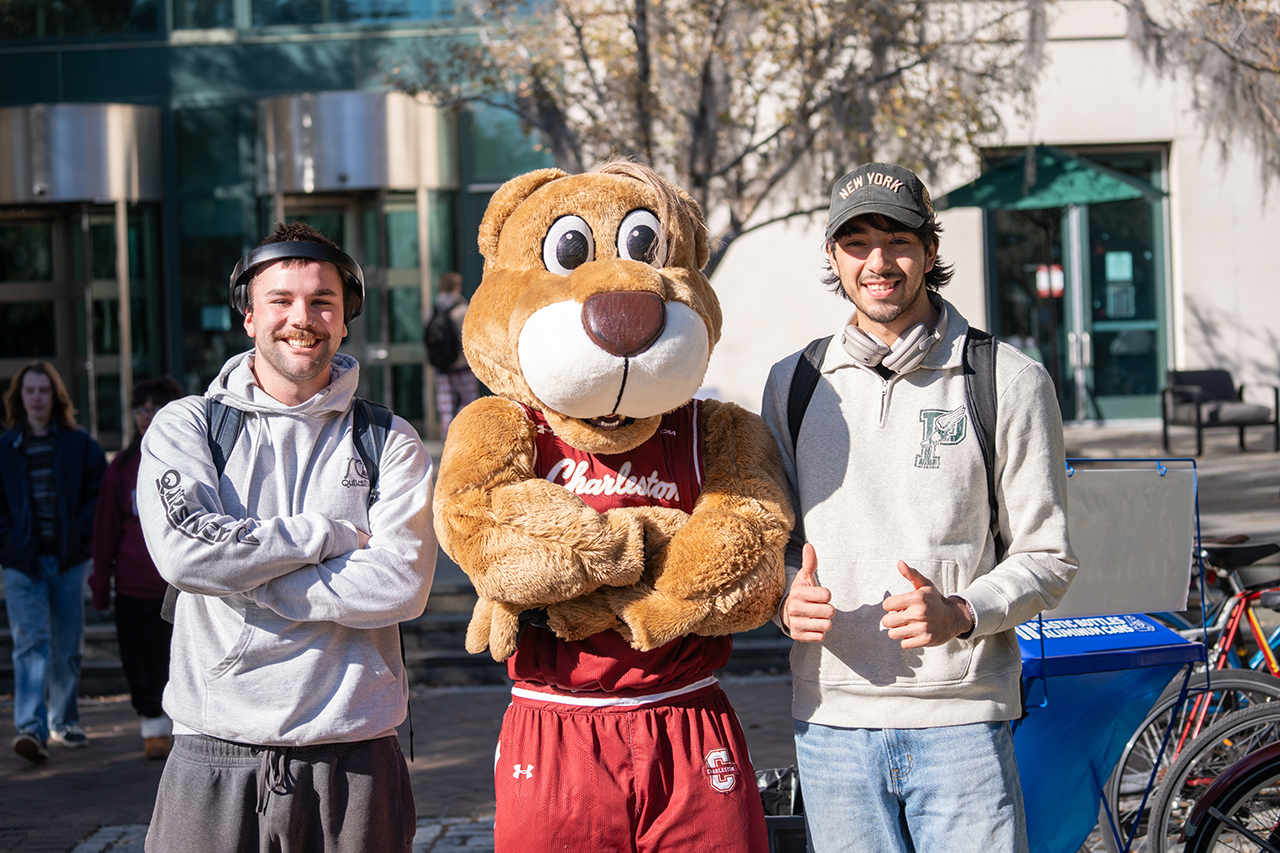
(1206, 399)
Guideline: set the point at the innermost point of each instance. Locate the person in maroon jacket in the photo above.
(119, 552)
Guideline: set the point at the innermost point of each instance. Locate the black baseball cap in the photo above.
(879, 188)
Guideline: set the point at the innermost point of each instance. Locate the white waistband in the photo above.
(611, 701)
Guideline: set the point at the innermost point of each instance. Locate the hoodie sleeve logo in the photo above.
(198, 526)
(941, 427)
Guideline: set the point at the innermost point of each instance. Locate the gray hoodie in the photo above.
(286, 634)
(890, 469)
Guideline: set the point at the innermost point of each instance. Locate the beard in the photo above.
(885, 312)
(294, 366)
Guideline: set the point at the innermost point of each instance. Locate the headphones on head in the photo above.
(352, 276)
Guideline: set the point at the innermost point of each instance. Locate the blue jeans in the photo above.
(46, 618)
(952, 788)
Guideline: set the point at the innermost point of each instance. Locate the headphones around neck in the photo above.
(352, 276)
(907, 351)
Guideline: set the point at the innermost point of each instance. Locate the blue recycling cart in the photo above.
(1094, 667)
(1089, 681)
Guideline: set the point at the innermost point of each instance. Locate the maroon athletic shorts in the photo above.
(657, 773)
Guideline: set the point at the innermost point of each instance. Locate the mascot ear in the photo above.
(702, 240)
(702, 246)
(504, 202)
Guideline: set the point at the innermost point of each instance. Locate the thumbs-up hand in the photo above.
(924, 617)
(807, 611)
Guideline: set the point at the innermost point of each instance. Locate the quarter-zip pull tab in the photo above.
(884, 399)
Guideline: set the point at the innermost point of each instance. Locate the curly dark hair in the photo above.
(930, 233)
(294, 232)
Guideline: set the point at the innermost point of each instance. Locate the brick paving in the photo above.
(99, 799)
(64, 804)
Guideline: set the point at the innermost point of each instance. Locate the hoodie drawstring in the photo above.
(273, 775)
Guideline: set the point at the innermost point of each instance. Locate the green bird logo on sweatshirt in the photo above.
(941, 427)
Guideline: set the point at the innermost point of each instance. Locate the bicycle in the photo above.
(1241, 809)
(1235, 605)
(1125, 792)
(1201, 763)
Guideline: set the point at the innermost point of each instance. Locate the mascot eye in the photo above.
(568, 245)
(638, 238)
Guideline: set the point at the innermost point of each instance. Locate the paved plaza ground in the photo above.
(99, 799)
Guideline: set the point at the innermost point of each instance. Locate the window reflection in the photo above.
(203, 14)
(29, 330)
(406, 380)
(406, 315)
(26, 252)
(208, 141)
(285, 12)
(55, 18)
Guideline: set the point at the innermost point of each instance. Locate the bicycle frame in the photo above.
(1256, 661)
(1230, 613)
(1241, 610)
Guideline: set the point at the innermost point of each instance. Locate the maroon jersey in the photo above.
(664, 471)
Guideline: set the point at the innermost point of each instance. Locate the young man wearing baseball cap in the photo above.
(903, 585)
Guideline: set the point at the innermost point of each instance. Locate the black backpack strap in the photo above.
(222, 428)
(371, 422)
(980, 398)
(170, 603)
(803, 383)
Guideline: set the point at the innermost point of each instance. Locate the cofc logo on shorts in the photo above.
(721, 770)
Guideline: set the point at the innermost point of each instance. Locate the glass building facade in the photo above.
(262, 111)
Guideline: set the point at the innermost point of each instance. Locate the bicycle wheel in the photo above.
(1217, 748)
(1252, 802)
(1233, 690)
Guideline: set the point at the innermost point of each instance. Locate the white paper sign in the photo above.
(1132, 530)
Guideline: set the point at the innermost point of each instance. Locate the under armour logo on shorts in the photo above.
(525, 770)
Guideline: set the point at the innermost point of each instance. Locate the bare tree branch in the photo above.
(754, 106)
(1230, 51)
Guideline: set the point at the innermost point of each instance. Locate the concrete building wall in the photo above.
(1095, 90)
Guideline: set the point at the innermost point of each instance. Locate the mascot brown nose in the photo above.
(624, 323)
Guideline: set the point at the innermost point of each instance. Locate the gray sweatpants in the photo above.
(221, 797)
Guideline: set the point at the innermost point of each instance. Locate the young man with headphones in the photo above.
(903, 585)
(286, 679)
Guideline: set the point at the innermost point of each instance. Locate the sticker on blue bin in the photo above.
(1087, 626)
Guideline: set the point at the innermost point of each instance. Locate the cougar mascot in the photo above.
(616, 529)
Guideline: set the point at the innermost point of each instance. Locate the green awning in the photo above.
(1060, 179)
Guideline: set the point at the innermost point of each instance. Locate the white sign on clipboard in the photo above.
(1132, 530)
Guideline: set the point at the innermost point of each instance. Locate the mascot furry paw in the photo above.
(616, 530)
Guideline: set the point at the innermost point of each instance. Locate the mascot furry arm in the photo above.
(594, 313)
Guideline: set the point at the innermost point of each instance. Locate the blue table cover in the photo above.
(1089, 682)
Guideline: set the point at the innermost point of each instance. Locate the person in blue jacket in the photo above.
(50, 470)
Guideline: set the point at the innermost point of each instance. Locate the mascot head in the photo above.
(593, 308)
